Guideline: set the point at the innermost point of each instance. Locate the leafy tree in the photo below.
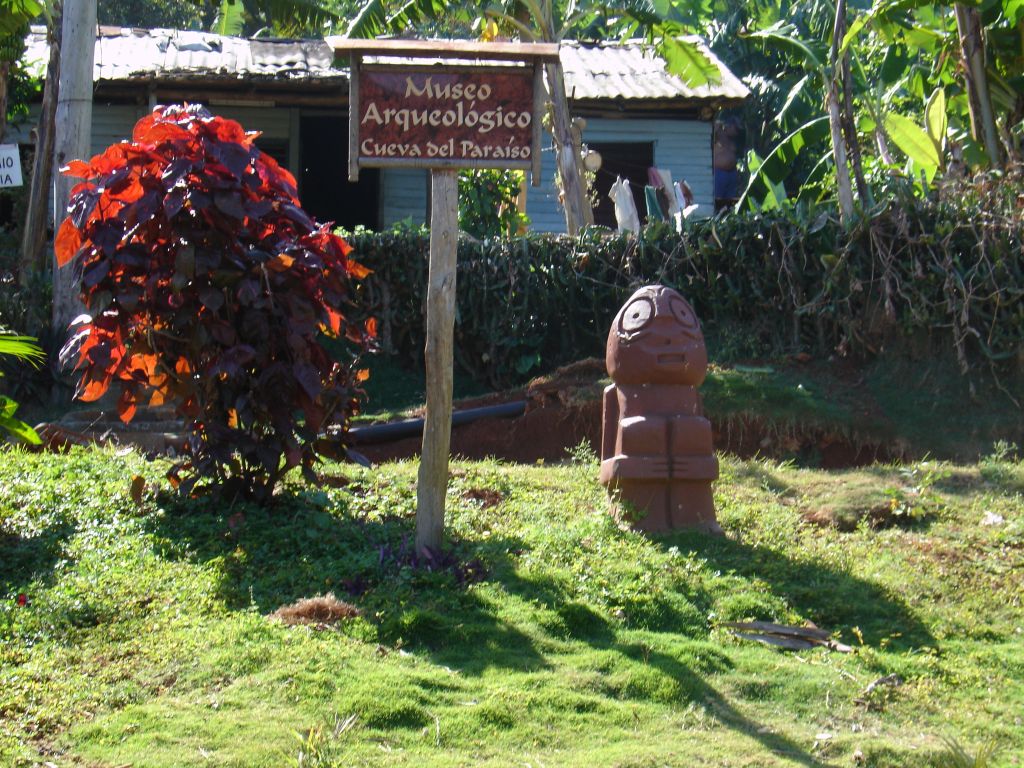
(208, 286)
(147, 14)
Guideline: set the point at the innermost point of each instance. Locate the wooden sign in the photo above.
(424, 104)
(417, 112)
(462, 118)
(10, 166)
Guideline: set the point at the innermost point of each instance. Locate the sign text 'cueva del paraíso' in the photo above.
(473, 117)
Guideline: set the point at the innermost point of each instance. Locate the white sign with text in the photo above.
(10, 166)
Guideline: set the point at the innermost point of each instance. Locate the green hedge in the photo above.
(944, 271)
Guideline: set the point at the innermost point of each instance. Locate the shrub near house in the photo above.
(207, 286)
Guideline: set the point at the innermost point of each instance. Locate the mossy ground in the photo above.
(551, 637)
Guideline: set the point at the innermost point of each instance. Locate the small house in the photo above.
(636, 115)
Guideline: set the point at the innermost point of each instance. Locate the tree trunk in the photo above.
(972, 50)
(574, 195)
(844, 188)
(73, 137)
(850, 132)
(5, 72)
(33, 237)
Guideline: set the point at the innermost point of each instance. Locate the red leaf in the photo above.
(280, 263)
(94, 389)
(228, 130)
(128, 191)
(357, 270)
(335, 319)
(78, 169)
(371, 327)
(363, 374)
(67, 243)
(143, 126)
(22, 599)
(163, 131)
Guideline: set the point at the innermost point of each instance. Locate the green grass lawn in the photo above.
(552, 637)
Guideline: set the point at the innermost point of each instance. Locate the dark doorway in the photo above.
(324, 187)
(630, 160)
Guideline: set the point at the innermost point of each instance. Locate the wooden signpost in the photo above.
(443, 105)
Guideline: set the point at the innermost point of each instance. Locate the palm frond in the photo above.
(22, 347)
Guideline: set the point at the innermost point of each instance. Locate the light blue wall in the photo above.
(680, 146)
(403, 195)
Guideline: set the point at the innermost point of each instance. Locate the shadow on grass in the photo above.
(584, 624)
(832, 599)
(24, 558)
(270, 558)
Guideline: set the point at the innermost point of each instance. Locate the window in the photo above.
(630, 160)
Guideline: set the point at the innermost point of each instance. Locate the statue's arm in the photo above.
(609, 422)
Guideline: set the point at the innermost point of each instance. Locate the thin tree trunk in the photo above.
(883, 145)
(850, 132)
(844, 188)
(73, 136)
(574, 196)
(33, 237)
(5, 72)
(972, 49)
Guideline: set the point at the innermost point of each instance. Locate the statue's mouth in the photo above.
(676, 359)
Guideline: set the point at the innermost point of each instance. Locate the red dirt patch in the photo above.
(485, 497)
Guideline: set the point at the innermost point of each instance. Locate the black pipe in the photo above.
(397, 430)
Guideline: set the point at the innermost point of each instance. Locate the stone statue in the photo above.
(656, 452)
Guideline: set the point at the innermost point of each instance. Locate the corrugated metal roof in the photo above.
(631, 70)
(592, 72)
(129, 54)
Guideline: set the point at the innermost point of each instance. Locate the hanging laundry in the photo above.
(626, 216)
(669, 190)
(661, 180)
(686, 199)
(654, 210)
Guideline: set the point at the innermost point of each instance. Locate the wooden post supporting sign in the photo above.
(443, 105)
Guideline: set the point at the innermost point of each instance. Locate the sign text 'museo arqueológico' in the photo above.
(472, 117)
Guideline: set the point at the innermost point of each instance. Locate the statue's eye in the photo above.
(636, 315)
(683, 314)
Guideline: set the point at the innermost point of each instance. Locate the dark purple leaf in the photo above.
(82, 205)
(211, 298)
(309, 378)
(297, 215)
(95, 272)
(234, 156)
(224, 334)
(142, 210)
(174, 201)
(229, 203)
(107, 235)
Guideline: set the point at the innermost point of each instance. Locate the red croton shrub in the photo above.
(207, 286)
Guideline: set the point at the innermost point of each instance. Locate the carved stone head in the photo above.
(656, 339)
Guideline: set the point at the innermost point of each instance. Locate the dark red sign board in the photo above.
(468, 117)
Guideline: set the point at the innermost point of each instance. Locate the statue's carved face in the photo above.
(656, 339)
